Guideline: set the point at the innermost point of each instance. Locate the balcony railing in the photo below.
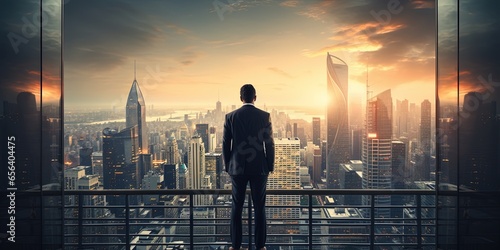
(167, 219)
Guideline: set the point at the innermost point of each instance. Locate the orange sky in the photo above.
(188, 54)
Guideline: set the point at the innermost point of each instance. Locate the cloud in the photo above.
(316, 11)
(423, 4)
(189, 55)
(187, 62)
(290, 3)
(178, 30)
(224, 6)
(397, 46)
(280, 72)
(115, 27)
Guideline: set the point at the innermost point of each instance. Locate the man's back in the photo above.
(248, 147)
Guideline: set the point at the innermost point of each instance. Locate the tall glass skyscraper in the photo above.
(136, 115)
(425, 141)
(120, 156)
(337, 123)
(316, 133)
(202, 131)
(377, 149)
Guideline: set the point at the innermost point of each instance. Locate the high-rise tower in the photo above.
(202, 131)
(136, 115)
(316, 133)
(425, 140)
(377, 149)
(198, 178)
(337, 124)
(285, 176)
(172, 151)
(120, 156)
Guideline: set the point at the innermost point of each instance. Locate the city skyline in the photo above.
(186, 62)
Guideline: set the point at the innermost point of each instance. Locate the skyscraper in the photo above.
(356, 143)
(212, 139)
(202, 131)
(85, 159)
(285, 176)
(136, 115)
(96, 159)
(150, 181)
(172, 151)
(399, 176)
(478, 144)
(402, 120)
(337, 123)
(215, 168)
(425, 140)
(171, 176)
(377, 149)
(316, 172)
(198, 179)
(316, 133)
(120, 155)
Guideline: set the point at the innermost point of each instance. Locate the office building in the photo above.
(71, 177)
(424, 171)
(337, 123)
(198, 178)
(215, 168)
(356, 143)
(202, 131)
(212, 139)
(316, 168)
(120, 156)
(285, 176)
(349, 178)
(172, 151)
(316, 131)
(149, 235)
(377, 150)
(170, 176)
(399, 176)
(183, 176)
(151, 181)
(402, 119)
(96, 159)
(85, 157)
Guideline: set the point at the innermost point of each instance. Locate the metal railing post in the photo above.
(127, 222)
(249, 221)
(191, 221)
(310, 222)
(80, 221)
(372, 222)
(419, 221)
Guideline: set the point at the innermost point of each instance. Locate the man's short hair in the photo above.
(247, 93)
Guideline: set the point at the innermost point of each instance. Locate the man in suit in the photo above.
(248, 151)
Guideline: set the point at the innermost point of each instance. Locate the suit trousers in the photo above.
(258, 190)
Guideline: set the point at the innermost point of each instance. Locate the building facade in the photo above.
(337, 122)
(377, 150)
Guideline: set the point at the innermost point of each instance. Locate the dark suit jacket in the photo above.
(247, 143)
